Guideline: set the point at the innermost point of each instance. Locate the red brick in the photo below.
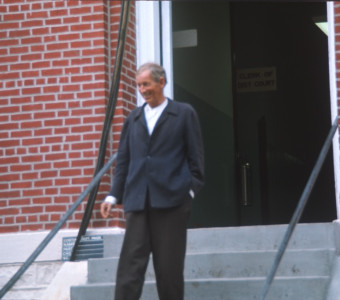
(32, 219)
(52, 72)
(55, 156)
(21, 133)
(32, 23)
(31, 40)
(44, 115)
(9, 143)
(81, 163)
(43, 200)
(61, 164)
(79, 129)
(33, 141)
(19, 33)
(37, 48)
(21, 185)
(55, 208)
(20, 219)
(9, 93)
(59, 29)
(32, 193)
(40, 30)
(7, 229)
(10, 75)
(53, 139)
(49, 174)
(44, 97)
(32, 107)
(81, 27)
(20, 168)
(43, 183)
(30, 91)
(42, 166)
(69, 37)
(40, 64)
(61, 199)
(71, 53)
(81, 44)
(33, 124)
(43, 132)
(9, 211)
(57, 46)
(31, 227)
(91, 18)
(53, 123)
(13, 17)
(81, 10)
(10, 109)
(32, 158)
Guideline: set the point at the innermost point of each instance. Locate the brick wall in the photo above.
(56, 61)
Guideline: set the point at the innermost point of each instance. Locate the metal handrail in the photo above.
(56, 228)
(299, 209)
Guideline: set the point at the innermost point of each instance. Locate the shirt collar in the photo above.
(159, 107)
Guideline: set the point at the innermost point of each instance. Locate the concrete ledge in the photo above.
(17, 247)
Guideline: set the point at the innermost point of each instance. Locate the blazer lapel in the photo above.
(140, 118)
(168, 110)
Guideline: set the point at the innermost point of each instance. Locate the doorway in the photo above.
(257, 74)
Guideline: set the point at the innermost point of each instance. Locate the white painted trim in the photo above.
(333, 96)
(167, 46)
(148, 38)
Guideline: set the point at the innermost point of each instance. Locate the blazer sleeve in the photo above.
(122, 164)
(195, 151)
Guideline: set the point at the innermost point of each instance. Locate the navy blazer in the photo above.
(167, 164)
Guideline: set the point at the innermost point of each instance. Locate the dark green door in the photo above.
(202, 77)
(260, 141)
(282, 108)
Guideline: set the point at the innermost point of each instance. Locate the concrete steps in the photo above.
(232, 263)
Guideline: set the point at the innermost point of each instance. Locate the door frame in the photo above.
(154, 43)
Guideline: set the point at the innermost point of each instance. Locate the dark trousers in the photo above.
(162, 232)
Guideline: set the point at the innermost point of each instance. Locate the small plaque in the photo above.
(89, 247)
(256, 80)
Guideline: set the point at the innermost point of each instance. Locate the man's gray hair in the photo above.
(157, 71)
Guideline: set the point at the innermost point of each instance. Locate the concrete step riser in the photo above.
(282, 289)
(252, 238)
(230, 265)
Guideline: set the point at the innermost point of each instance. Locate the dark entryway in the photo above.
(257, 73)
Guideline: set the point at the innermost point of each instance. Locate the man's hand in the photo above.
(105, 209)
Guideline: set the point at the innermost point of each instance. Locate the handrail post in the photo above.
(299, 209)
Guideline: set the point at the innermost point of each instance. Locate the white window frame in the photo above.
(333, 96)
(153, 21)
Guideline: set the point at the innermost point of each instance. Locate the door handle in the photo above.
(245, 184)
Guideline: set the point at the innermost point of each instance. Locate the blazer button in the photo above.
(148, 157)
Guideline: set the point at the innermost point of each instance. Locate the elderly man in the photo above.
(159, 171)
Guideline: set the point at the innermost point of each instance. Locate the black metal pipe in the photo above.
(124, 18)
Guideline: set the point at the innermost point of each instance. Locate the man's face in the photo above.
(151, 91)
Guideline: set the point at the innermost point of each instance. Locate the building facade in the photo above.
(265, 102)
